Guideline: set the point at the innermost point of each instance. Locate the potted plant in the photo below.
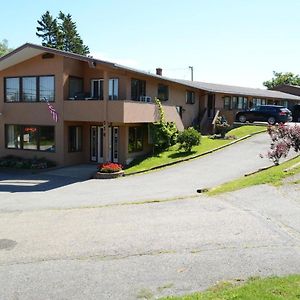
(109, 170)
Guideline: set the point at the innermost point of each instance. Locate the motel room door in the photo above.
(211, 106)
(97, 137)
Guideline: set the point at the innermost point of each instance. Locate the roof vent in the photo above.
(47, 55)
(159, 71)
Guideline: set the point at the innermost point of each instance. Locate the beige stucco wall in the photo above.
(33, 113)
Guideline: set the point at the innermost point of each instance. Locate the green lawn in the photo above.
(272, 288)
(274, 176)
(173, 155)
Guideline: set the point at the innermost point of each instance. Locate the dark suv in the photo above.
(296, 113)
(265, 113)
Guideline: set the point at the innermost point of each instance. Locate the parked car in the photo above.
(296, 113)
(265, 113)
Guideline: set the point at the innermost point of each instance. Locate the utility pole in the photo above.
(192, 73)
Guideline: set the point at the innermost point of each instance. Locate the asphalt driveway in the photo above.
(180, 180)
(64, 243)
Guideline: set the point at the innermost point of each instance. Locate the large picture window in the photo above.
(28, 137)
(29, 89)
(135, 139)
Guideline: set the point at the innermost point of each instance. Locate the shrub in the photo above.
(109, 167)
(221, 126)
(283, 138)
(164, 134)
(12, 161)
(188, 138)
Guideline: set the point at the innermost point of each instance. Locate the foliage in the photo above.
(109, 167)
(12, 161)
(188, 138)
(283, 138)
(60, 33)
(221, 126)
(172, 155)
(272, 176)
(282, 78)
(4, 49)
(164, 134)
(272, 288)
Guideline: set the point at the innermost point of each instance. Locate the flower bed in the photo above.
(109, 170)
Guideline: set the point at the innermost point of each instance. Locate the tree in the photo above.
(283, 138)
(49, 31)
(4, 49)
(60, 33)
(164, 134)
(282, 78)
(72, 41)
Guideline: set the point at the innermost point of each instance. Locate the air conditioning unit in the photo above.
(145, 99)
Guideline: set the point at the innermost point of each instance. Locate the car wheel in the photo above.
(242, 118)
(271, 120)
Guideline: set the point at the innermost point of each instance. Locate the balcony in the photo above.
(119, 111)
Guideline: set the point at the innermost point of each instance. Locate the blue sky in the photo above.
(235, 42)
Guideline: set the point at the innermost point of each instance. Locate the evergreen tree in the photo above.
(72, 41)
(49, 31)
(61, 33)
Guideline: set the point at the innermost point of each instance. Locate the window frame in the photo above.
(20, 84)
(82, 88)
(166, 96)
(187, 98)
(140, 89)
(135, 149)
(79, 141)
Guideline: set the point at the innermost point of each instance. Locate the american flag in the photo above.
(52, 111)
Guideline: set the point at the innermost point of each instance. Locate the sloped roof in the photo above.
(29, 50)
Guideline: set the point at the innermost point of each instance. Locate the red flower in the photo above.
(109, 167)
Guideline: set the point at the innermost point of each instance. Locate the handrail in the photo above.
(215, 117)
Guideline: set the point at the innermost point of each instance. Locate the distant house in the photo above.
(103, 108)
(287, 88)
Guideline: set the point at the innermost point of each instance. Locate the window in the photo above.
(46, 88)
(97, 89)
(138, 89)
(12, 89)
(163, 92)
(258, 102)
(29, 89)
(135, 139)
(13, 136)
(75, 139)
(76, 88)
(29, 92)
(235, 102)
(113, 89)
(190, 97)
(46, 138)
(28, 137)
(227, 103)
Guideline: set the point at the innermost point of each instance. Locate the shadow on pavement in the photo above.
(14, 181)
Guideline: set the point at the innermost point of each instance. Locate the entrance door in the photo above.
(97, 144)
(97, 134)
(211, 105)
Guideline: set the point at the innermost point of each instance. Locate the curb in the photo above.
(196, 156)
